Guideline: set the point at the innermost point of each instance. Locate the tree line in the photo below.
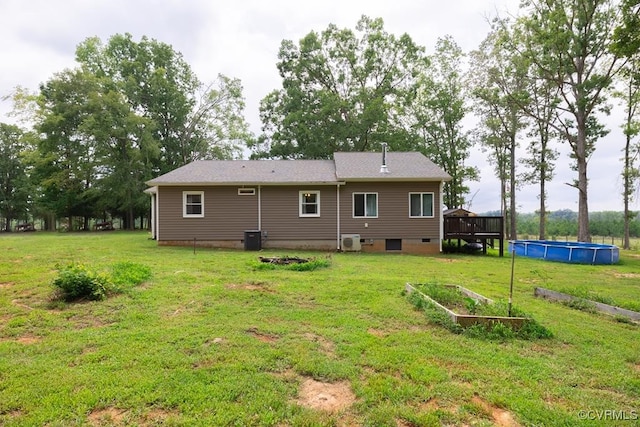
(132, 110)
(564, 222)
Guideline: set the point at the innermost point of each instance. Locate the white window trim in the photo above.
(433, 206)
(300, 203)
(246, 191)
(184, 204)
(353, 204)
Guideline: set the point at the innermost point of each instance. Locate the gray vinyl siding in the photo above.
(393, 221)
(226, 214)
(280, 214)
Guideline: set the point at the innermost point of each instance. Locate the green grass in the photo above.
(209, 340)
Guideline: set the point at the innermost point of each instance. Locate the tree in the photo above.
(499, 79)
(341, 91)
(630, 98)
(14, 185)
(567, 41)
(626, 43)
(150, 114)
(189, 121)
(626, 36)
(66, 165)
(438, 113)
(543, 102)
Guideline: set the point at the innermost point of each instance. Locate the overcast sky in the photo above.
(241, 38)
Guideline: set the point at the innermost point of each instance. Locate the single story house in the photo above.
(356, 201)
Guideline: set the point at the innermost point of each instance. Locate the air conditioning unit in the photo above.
(350, 242)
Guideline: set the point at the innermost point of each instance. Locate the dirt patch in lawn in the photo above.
(106, 416)
(377, 332)
(328, 347)
(328, 397)
(28, 339)
(6, 284)
(501, 417)
(626, 275)
(156, 416)
(18, 303)
(251, 286)
(262, 336)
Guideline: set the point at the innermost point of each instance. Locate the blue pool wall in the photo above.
(570, 252)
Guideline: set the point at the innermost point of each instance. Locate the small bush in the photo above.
(76, 282)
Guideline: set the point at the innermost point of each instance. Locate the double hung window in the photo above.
(365, 205)
(421, 205)
(193, 204)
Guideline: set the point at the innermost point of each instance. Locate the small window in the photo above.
(421, 205)
(365, 205)
(193, 204)
(309, 203)
(246, 191)
(393, 244)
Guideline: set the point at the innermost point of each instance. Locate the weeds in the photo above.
(78, 282)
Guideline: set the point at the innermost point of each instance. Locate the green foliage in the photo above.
(130, 111)
(127, 273)
(342, 90)
(14, 183)
(438, 113)
(77, 282)
(558, 38)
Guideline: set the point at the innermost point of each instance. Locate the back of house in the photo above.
(356, 201)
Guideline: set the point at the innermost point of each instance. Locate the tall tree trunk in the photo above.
(626, 244)
(542, 235)
(583, 205)
(503, 204)
(513, 233)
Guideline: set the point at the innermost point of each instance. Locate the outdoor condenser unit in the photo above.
(350, 242)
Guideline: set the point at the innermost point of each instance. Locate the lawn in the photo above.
(213, 340)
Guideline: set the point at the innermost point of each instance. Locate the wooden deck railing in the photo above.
(473, 227)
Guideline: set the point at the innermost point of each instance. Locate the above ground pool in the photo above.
(574, 252)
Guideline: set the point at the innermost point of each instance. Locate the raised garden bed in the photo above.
(462, 310)
(582, 303)
(459, 312)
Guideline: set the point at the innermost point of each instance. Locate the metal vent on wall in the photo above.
(350, 242)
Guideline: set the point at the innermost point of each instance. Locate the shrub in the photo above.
(76, 282)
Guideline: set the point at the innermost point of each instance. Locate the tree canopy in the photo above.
(341, 91)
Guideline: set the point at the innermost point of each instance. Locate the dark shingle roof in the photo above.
(410, 166)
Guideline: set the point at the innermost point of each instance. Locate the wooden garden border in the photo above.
(466, 320)
(601, 307)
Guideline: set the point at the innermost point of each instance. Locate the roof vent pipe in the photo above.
(383, 168)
